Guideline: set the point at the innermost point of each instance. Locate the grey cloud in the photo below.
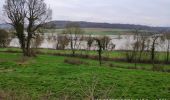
(147, 12)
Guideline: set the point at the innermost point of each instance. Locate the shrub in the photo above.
(111, 65)
(143, 68)
(75, 61)
(158, 68)
(12, 51)
(129, 56)
(168, 70)
(132, 67)
(4, 38)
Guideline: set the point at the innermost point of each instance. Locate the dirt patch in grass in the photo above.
(23, 61)
(3, 70)
(74, 61)
(11, 95)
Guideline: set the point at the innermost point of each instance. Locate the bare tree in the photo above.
(29, 14)
(37, 14)
(37, 41)
(167, 42)
(100, 48)
(154, 38)
(105, 42)
(137, 48)
(73, 31)
(89, 40)
(62, 42)
(142, 44)
(101, 44)
(16, 13)
(131, 54)
(137, 44)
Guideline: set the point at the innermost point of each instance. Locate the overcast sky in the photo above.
(145, 12)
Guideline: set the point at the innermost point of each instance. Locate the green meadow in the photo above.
(95, 31)
(49, 77)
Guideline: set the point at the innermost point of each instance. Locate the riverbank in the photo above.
(110, 58)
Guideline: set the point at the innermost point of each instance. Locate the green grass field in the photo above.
(50, 78)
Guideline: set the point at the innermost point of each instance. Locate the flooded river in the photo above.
(121, 42)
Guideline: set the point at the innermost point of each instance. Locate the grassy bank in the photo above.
(111, 54)
(49, 77)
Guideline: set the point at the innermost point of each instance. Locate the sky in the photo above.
(144, 12)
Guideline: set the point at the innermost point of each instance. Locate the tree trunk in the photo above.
(21, 37)
(100, 55)
(73, 52)
(28, 49)
(72, 48)
(100, 51)
(29, 37)
(167, 57)
(141, 51)
(153, 52)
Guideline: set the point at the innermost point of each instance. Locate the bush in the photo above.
(143, 68)
(129, 56)
(75, 61)
(168, 70)
(158, 68)
(4, 38)
(111, 65)
(132, 67)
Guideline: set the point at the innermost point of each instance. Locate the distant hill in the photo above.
(83, 24)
